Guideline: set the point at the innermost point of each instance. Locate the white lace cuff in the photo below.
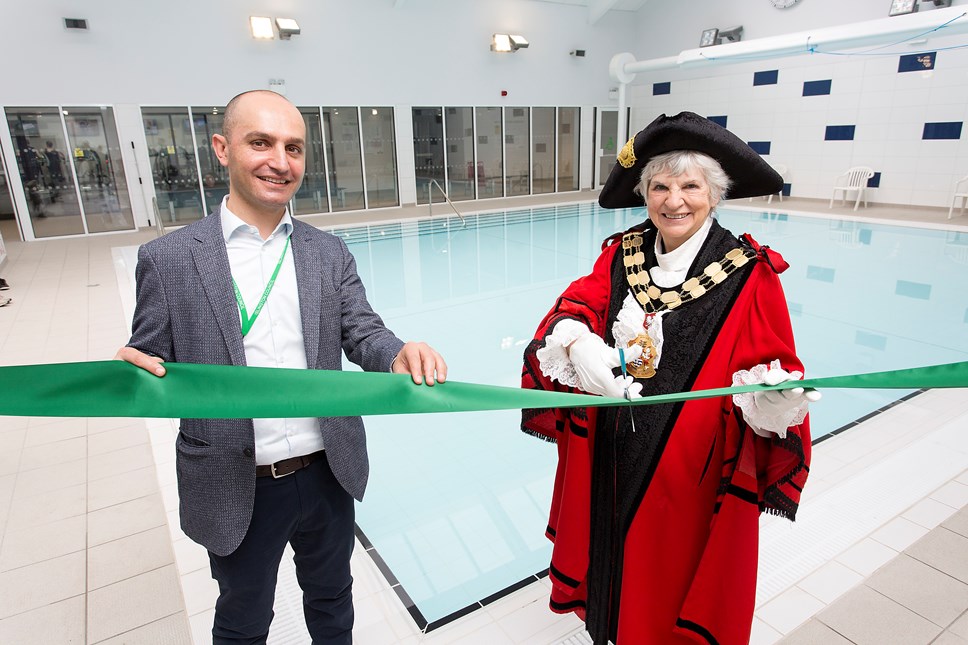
(765, 424)
(553, 357)
(629, 322)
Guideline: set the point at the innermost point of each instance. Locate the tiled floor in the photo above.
(91, 551)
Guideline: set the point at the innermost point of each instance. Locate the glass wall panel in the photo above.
(96, 153)
(428, 152)
(342, 129)
(607, 143)
(568, 142)
(543, 150)
(490, 152)
(215, 177)
(6, 197)
(379, 156)
(311, 196)
(41, 150)
(459, 137)
(518, 150)
(168, 132)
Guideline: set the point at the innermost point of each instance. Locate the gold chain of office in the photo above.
(652, 298)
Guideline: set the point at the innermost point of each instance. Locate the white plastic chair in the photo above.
(961, 191)
(854, 180)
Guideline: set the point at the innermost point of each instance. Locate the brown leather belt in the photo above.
(288, 466)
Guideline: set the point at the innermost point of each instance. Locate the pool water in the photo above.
(457, 503)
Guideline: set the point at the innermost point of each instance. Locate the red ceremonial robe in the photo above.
(655, 530)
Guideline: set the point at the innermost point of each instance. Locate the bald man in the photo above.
(250, 285)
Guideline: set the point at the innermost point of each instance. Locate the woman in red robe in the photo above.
(655, 510)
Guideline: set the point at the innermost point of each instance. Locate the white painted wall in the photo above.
(434, 52)
(350, 52)
(889, 109)
(664, 32)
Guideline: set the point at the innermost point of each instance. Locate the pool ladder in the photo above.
(430, 199)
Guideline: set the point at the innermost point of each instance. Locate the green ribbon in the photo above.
(119, 389)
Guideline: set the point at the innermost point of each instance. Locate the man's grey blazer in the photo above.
(186, 312)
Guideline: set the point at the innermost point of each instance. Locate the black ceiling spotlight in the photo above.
(580, 53)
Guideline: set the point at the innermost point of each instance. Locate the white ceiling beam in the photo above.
(598, 8)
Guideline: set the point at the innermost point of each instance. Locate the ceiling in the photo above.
(596, 8)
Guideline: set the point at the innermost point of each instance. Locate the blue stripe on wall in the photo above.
(951, 130)
(875, 181)
(916, 62)
(768, 77)
(661, 88)
(816, 88)
(760, 147)
(839, 133)
(786, 190)
(721, 120)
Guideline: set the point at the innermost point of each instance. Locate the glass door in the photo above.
(428, 152)
(606, 143)
(171, 153)
(207, 121)
(311, 196)
(96, 157)
(344, 161)
(41, 155)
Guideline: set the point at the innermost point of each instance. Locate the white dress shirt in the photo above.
(276, 337)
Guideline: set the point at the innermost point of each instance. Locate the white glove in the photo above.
(594, 361)
(775, 410)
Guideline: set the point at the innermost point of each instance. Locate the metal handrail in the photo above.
(430, 199)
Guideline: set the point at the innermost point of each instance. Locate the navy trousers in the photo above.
(313, 513)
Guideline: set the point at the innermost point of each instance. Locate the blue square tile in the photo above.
(760, 147)
(816, 88)
(721, 120)
(916, 62)
(767, 77)
(950, 130)
(875, 181)
(839, 133)
(661, 88)
(786, 190)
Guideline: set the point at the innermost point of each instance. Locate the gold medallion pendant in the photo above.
(644, 366)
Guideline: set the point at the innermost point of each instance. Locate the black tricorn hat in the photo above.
(750, 174)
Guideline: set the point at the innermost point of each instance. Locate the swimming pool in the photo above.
(457, 503)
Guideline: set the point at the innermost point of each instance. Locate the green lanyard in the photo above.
(246, 321)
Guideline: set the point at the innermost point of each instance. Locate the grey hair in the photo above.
(679, 162)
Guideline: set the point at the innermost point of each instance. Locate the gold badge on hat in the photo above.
(627, 156)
